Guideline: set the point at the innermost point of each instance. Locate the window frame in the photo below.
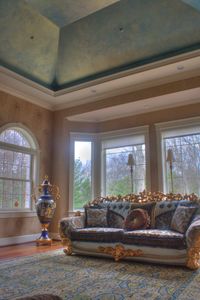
(96, 157)
(80, 137)
(169, 129)
(34, 153)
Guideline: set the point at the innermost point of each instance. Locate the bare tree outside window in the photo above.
(186, 165)
(118, 179)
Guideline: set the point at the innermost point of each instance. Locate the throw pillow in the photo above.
(182, 217)
(114, 219)
(96, 217)
(150, 208)
(137, 219)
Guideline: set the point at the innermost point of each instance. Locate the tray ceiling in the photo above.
(63, 43)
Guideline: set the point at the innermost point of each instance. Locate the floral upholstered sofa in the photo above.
(150, 227)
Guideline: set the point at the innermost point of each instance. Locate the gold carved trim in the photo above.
(194, 255)
(145, 197)
(66, 242)
(119, 252)
(68, 246)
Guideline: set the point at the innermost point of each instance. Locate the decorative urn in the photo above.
(45, 208)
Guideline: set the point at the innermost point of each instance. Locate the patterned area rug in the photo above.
(85, 278)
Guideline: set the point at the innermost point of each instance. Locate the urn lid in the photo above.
(45, 185)
(46, 181)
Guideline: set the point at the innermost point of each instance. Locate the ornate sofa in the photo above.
(150, 227)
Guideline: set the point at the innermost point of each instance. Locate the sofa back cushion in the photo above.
(164, 212)
(120, 207)
(114, 219)
(163, 221)
(117, 212)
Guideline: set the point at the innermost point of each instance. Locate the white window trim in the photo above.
(34, 150)
(167, 129)
(87, 137)
(97, 160)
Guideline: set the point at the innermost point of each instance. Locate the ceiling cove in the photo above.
(60, 44)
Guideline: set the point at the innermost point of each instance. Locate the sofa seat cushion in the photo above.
(155, 238)
(100, 234)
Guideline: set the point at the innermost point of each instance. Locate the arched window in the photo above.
(18, 167)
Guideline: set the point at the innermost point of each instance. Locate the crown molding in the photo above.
(26, 89)
(166, 71)
(150, 66)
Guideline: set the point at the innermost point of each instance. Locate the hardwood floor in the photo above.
(26, 249)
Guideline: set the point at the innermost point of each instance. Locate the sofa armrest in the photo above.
(193, 232)
(67, 225)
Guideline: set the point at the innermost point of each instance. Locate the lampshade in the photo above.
(131, 161)
(170, 156)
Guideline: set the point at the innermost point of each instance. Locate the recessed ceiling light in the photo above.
(180, 67)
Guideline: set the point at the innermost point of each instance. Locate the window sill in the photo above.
(17, 214)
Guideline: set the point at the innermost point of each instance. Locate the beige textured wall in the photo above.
(39, 121)
(62, 127)
(52, 132)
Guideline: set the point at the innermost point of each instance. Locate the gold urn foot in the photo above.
(44, 239)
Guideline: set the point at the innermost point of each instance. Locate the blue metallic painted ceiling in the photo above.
(61, 43)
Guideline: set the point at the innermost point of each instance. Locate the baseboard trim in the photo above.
(13, 240)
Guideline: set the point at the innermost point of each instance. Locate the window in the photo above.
(117, 176)
(81, 174)
(98, 165)
(182, 139)
(18, 159)
(82, 189)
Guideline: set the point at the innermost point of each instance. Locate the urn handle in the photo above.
(46, 188)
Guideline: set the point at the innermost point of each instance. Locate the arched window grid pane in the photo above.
(17, 158)
(14, 137)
